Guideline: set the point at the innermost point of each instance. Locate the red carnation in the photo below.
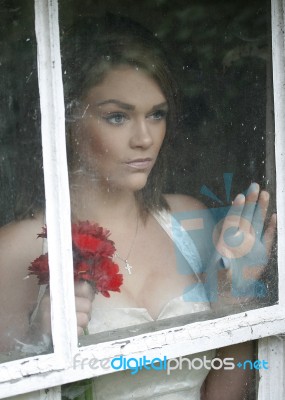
(40, 268)
(107, 277)
(92, 239)
(83, 271)
(92, 259)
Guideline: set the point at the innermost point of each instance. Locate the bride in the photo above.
(123, 111)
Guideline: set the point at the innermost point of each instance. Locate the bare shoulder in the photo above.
(20, 227)
(21, 235)
(181, 202)
(19, 246)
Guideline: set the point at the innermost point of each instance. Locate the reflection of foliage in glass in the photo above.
(219, 51)
(20, 149)
(222, 69)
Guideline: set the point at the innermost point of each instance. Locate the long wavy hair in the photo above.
(91, 48)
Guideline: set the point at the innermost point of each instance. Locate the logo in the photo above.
(121, 363)
(210, 240)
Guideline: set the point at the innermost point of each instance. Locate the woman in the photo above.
(122, 113)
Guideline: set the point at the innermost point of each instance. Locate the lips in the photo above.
(140, 163)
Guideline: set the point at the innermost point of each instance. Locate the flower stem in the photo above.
(81, 390)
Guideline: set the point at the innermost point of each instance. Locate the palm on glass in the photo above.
(245, 244)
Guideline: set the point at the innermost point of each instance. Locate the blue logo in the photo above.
(209, 240)
(249, 364)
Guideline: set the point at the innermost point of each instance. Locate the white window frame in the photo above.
(51, 370)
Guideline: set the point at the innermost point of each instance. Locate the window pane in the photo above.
(221, 142)
(21, 182)
(196, 122)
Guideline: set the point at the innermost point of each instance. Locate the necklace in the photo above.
(128, 266)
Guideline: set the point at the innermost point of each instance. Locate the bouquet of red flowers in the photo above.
(92, 259)
(92, 262)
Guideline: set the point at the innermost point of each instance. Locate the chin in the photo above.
(134, 183)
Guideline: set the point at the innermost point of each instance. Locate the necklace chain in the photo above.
(128, 266)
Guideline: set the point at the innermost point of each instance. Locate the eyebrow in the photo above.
(161, 105)
(127, 106)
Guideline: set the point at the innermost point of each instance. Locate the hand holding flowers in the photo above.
(94, 272)
(92, 259)
(93, 264)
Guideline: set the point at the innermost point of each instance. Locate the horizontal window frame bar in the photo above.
(50, 370)
(178, 341)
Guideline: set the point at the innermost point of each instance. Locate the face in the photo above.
(122, 128)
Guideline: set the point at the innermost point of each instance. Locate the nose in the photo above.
(141, 134)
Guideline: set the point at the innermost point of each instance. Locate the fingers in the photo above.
(80, 331)
(83, 318)
(82, 323)
(243, 226)
(249, 208)
(260, 213)
(84, 289)
(84, 296)
(83, 306)
(270, 233)
(232, 220)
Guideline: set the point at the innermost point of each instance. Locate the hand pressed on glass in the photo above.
(245, 244)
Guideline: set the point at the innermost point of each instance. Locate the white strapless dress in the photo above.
(152, 384)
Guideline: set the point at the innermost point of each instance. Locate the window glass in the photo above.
(21, 182)
(220, 139)
(142, 118)
(194, 119)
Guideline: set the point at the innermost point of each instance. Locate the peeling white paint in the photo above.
(45, 371)
(189, 339)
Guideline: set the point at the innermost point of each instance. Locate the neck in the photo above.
(106, 206)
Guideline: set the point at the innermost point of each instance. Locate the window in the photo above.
(179, 336)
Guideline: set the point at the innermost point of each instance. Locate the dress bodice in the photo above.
(180, 383)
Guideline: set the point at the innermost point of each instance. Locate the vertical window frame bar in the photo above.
(272, 382)
(278, 61)
(56, 180)
(278, 7)
(272, 349)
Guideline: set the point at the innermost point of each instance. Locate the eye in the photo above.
(158, 115)
(116, 118)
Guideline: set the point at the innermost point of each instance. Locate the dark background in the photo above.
(221, 52)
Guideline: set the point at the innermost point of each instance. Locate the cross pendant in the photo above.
(128, 267)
